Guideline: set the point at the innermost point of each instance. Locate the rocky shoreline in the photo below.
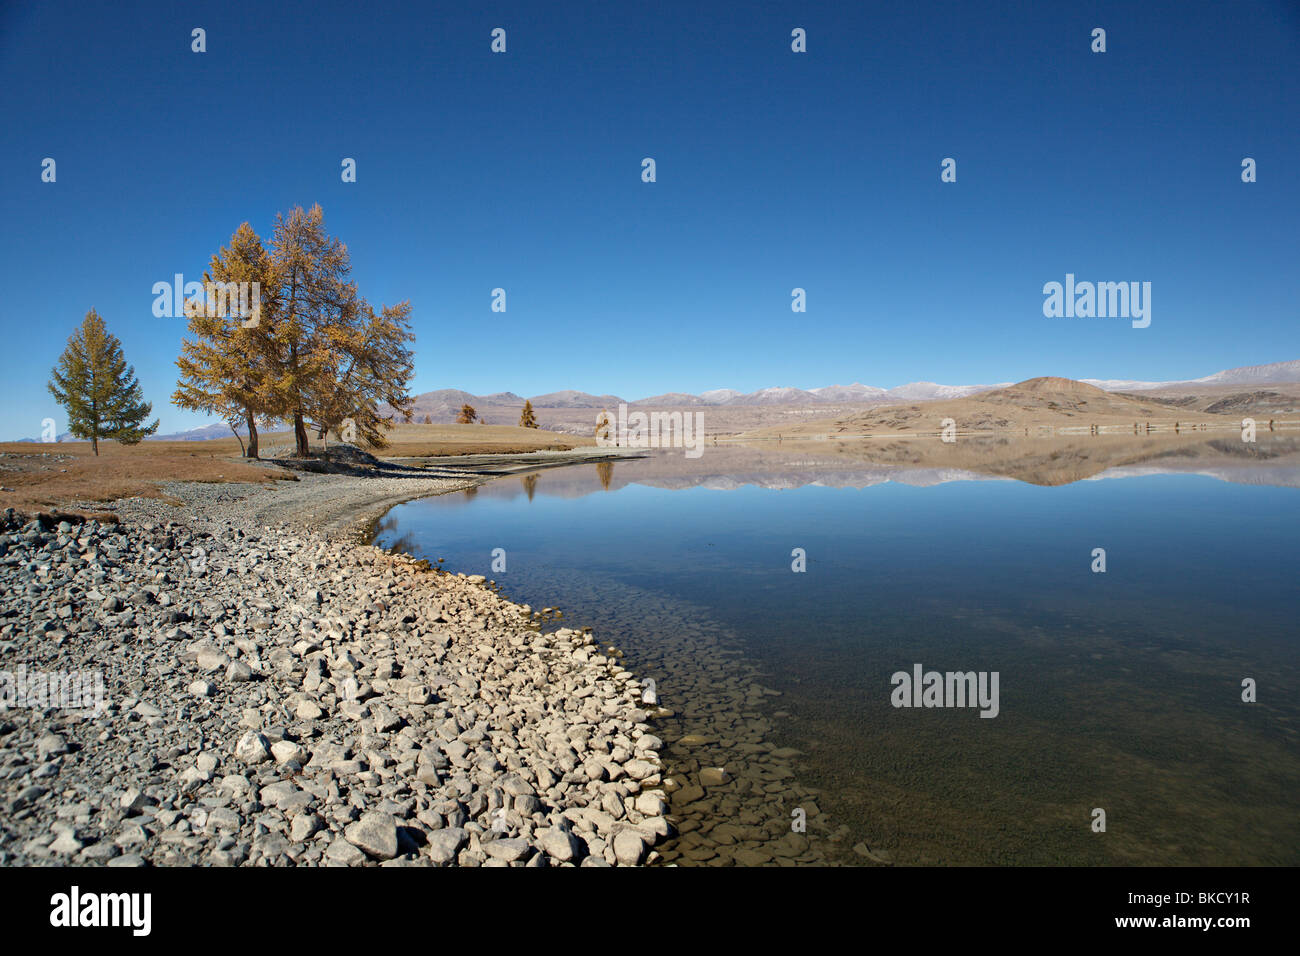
(277, 693)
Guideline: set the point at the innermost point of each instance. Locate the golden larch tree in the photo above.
(317, 307)
(375, 367)
(526, 418)
(226, 368)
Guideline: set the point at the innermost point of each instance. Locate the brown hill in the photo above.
(1047, 384)
(1069, 398)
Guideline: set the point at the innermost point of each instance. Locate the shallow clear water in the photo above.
(1119, 690)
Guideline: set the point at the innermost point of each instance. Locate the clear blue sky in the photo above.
(775, 170)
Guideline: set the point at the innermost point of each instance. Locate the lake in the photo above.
(1119, 691)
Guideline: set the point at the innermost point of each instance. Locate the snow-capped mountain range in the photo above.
(1277, 373)
(446, 402)
(1274, 374)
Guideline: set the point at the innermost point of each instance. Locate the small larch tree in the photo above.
(467, 415)
(526, 418)
(98, 389)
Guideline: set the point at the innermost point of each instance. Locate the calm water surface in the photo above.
(1119, 690)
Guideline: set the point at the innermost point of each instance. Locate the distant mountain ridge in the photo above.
(931, 391)
(443, 405)
(847, 393)
(1274, 373)
(447, 399)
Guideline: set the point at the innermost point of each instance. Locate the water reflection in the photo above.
(1050, 461)
(1119, 690)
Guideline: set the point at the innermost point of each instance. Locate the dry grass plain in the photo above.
(67, 476)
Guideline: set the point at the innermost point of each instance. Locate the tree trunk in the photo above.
(251, 421)
(94, 443)
(300, 434)
(231, 426)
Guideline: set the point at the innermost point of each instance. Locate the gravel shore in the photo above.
(276, 693)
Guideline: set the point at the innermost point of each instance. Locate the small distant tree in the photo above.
(526, 418)
(428, 419)
(467, 415)
(98, 389)
(603, 425)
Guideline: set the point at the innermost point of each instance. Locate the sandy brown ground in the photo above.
(1281, 400)
(1262, 401)
(423, 441)
(1042, 405)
